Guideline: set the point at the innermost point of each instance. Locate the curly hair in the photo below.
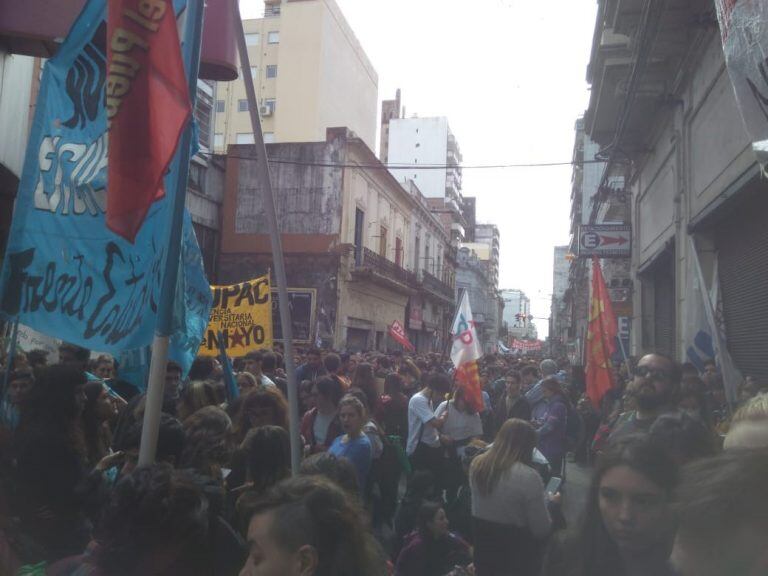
(154, 512)
(261, 396)
(208, 441)
(312, 511)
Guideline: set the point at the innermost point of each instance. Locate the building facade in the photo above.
(305, 62)
(472, 277)
(692, 178)
(488, 235)
(517, 317)
(18, 86)
(349, 238)
(558, 320)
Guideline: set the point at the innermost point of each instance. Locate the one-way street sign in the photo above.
(605, 241)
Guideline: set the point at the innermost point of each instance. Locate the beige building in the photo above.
(353, 237)
(306, 62)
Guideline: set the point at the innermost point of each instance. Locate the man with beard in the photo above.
(657, 378)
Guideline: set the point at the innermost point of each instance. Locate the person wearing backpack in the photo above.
(551, 424)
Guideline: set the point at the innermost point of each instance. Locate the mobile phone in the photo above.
(553, 486)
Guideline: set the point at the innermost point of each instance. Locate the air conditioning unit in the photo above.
(265, 110)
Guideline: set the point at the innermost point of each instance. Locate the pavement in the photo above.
(575, 491)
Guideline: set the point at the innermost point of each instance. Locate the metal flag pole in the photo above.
(259, 152)
(193, 31)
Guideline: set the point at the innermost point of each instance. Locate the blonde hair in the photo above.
(514, 443)
(755, 410)
(352, 400)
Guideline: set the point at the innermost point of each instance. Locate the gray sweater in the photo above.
(517, 499)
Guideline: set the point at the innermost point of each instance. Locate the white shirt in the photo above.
(320, 427)
(459, 425)
(267, 381)
(420, 412)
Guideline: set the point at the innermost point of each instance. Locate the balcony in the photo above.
(437, 287)
(368, 264)
(453, 157)
(452, 184)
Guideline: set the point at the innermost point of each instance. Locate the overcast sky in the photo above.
(510, 77)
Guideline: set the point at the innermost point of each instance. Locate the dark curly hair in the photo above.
(261, 396)
(313, 511)
(208, 441)
(154, 513)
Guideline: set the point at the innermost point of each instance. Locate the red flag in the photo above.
(398, 333)
(468, 377)
(601, 338)
(147, 107)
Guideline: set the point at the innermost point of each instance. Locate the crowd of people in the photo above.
(401, 472)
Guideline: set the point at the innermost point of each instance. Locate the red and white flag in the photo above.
(147, 102)
(465, 352)
(398, 334)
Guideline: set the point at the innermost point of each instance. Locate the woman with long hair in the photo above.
(98, 413)
(365, 379)
(627, 527)
(509, 506)
(208, 443)
(266, 457)
(262, 406)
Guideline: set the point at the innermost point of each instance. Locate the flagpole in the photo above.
(449, 343)
(265, 185)
(193, 30)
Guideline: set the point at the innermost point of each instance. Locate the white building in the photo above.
(427, 141)
(517, 303)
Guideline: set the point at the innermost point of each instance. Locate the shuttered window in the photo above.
(742, 245)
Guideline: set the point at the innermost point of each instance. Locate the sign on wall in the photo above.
(242, 315)
(302, 305)
(605, 241)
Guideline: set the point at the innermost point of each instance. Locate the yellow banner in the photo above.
(242, 313)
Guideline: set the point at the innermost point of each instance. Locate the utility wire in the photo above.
(415, 166)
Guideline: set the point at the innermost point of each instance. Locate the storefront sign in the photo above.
(605, 241)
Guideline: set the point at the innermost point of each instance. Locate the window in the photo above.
(252, 39)
(383, 242)
(399, 251)
(271, 70)
(244, 138)
(271, 10)
(269, 137)
(242, 105)
(254, 71)
(359, 224)
(273, 37)
(270, 103)
(219, 105)
(218, 140)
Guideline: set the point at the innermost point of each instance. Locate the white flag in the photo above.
(466, 346)
(704, 338)
(744, 31)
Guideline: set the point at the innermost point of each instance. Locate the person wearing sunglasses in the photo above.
(654, 389)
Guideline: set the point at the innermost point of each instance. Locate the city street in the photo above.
(576, 489)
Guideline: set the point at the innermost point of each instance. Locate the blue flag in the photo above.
(65, 273)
